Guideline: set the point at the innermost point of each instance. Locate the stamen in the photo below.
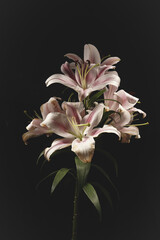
(37, 115)
(137, 125)
(25, 112)
(96, 65)
(83, 124)
(105, 57)
(79, 71)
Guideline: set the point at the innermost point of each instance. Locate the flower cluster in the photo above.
(100, 107)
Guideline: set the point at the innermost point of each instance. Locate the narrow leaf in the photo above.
(40, 155)
(105, 192)
(105, 117)
(106, 176)
(82, 171)
(110, 157)
(93, 197)
(52, 173)
(59, 176)
(95, 97)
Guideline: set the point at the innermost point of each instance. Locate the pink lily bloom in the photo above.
(77, 129)
(34, 128)
(123, 104)
(88, 75)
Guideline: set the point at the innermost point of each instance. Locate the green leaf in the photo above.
(110, 157)
(95, 97)
(105, 117)
(106, 176)
(93, 197)
(52, 173)
(70, 96)
(59, 176)
(82, 171)
(40, 155)
(105, 192)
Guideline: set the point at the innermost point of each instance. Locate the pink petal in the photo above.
(111, 61)
(77, 77)
(35, 130)
(73, 56)
(91, 53)
(133, 109)
(106, 129)
(58, 123)
(34, 124)
(59, 78)
(51, 106)
(132, 130)
(94, 117)
(84, 149)
(66, 69)
(83, 93)
(127, 132)
(126, 99)
(109, 94)
(121, 119)
(110, 78)
(102, 69)
(91, 76)
(74, 109)
(57, 145)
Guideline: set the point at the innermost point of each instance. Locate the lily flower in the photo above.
(88, 75)
(123, 104)
(77, 129)
(34, 128)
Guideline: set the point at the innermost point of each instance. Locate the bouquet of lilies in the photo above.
(100, 108)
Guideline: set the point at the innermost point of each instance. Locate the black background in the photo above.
(34, 36)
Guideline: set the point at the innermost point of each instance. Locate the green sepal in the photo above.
(106, 176)
(105, 192)
(82, 172)
(59, 176)
(93, 197)
(95, 97)
(110, 157)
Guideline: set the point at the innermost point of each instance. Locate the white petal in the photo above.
(111, 78)
(94, 117)
(91, 53)
(57, 145)
(112, 104)
(106, 129)
(51, 106)
(128, 132)
(73, 56)
(121, 119)
(66, 69)
(63, 79)
(58, 123)
(74, 109)
(111, 61)
(138, 110)
(126, 99)
(84, 149)
(35, 130)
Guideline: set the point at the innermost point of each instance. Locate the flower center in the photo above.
(77, 129)
(83, 70)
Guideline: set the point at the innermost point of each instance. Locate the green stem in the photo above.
(75, 212)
